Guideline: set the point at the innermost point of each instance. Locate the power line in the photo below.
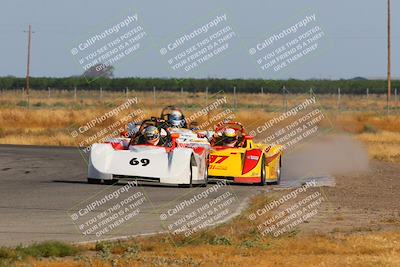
(28, 61)
(388, 60)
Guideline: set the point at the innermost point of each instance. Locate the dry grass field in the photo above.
(380, 249)
(50, 119)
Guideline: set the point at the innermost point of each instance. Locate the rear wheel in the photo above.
(279, 171)
(192, 162)
(263, 173)
(93, 181)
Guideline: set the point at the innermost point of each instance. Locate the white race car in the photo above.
(180, 160)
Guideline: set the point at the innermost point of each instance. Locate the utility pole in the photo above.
(388, 60)
(28, 62)
(285, 102)
(234, 97)
(262, 100)
(207, 96)
(154, 95)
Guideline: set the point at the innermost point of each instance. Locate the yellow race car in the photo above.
(240, 159)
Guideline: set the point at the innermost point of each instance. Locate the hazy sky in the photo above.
(353, 42)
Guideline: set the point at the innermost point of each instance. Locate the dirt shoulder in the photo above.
(365, 201)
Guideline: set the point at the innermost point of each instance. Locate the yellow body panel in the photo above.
(228, 162)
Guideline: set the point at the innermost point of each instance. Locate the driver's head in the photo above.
(194, 126)
(230, 137)
(175, 119)
(133, 128)
(151, 135)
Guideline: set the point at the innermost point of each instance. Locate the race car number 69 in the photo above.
(135, 161)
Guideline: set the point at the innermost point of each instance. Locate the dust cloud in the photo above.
(327, 155)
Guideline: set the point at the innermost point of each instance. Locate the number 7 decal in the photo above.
(213, 159)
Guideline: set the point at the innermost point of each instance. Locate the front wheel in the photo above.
(111, 182)
(192, 160)
(93, 181)
(278, 172)
(262, 173)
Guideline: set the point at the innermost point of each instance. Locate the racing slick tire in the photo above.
(93, 181)
(278, 173)
(110, 182)
(263, 173)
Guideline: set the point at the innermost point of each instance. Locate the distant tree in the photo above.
(320, 86)
(358, 78)
(99, 70)
(7, 82)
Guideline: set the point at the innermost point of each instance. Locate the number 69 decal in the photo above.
(135, 161)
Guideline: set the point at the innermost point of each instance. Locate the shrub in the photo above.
(47, 249)
(22, 103)
(220, 241)
(369, 129)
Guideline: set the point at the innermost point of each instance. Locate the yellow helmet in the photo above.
(230, 137)
(230, 132)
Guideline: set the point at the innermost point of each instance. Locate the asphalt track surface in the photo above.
(42, 186)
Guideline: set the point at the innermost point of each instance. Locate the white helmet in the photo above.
(175, 119)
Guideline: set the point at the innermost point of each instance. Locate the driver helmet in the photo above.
(151, 135)
(133, 128)
(230, 137)
(194, 126)
(175, 119)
